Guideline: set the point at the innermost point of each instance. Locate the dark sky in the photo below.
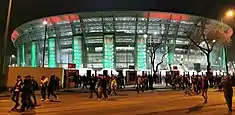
(26, 10)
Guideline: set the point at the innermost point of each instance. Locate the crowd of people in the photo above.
(105, 86)
(26, 90)
(200, 84)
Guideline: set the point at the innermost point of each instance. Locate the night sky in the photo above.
(27, 10)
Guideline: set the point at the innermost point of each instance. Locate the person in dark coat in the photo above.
(92, 81)
(51, 88)
(26, 95)
(57, 83)
(34, 88)
(150, 77)
(205, 86)
(16, 92)
(104, 84)
(228, 92)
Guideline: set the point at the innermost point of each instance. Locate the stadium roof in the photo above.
(79, 16)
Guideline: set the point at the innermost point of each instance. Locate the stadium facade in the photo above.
(112, 40)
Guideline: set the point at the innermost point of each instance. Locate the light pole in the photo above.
(5, 37)
(228, 14)
(44, 43)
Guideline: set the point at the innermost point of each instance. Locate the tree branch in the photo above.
(197, 45)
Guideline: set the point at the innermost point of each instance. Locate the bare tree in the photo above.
(162, 58)
(154, 46)
(152, 54)
(205, 36)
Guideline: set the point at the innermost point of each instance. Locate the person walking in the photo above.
(228, 92)
(139, 83)
(99, 84)
(205, 88)
(92, 82)
(57, 83)
(104, 84)
(34, 88)
(51, 88)
(113, 86)
(26, 95)
(44, 82)
(16, 92)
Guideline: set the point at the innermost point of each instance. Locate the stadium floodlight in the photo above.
(44, 22)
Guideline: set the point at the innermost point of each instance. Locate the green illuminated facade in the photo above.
(51, 52)
(23, 55)
(77, 51)
(111, 40)
(141, 53)
(33, 54)
(108, 46)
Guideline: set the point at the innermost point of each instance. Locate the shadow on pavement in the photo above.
(122, 94)
(31, 112)
(196, 108)
(55, 101)
(182, 110)
(112, 99)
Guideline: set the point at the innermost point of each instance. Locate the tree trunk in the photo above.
(152, 67)
(208, 65)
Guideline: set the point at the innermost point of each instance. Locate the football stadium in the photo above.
(112, 40)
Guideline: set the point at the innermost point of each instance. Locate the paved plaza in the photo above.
(128, 103)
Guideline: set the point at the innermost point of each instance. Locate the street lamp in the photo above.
(44, 42)
(228, 14)
(5, 37)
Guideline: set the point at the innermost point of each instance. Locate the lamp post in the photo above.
(228, 14)
(44, 43)
(5, 37)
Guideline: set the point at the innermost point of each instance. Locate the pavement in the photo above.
(80, 90)
(128, 103)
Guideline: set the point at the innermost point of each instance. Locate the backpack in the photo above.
(35, 85)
